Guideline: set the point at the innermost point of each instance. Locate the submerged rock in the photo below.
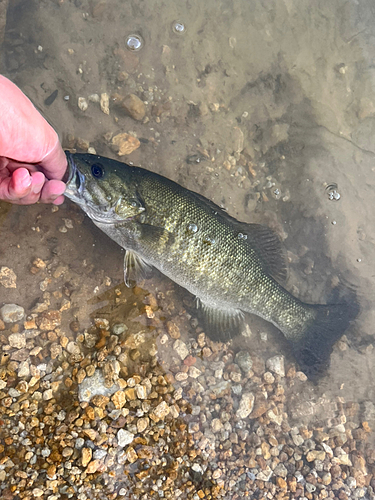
(11, 313)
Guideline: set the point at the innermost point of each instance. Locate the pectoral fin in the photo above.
(220, 324)
(135, 268)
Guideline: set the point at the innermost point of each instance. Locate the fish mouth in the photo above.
(75, 183)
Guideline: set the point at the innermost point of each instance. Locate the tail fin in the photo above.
(313, 350)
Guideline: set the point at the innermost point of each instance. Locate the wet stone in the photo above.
(244, 361)
(134, 107)
(276, 365)
(162, 410)
(7, 277)
(124, 437)
(49, 320)
(181, 349)
(17, 340)
(11, 313)
(246, 405)
(280, 470)
(86, 456)
(95, 385)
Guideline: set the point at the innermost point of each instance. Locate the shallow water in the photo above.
(260, 107)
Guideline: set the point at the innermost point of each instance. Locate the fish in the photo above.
(231, 267)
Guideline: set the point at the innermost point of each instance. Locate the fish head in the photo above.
(103, 188)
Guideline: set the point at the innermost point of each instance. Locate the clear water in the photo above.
(266, 108)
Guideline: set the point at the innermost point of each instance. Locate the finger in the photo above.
(7, 193)
(24, 188)
(52, 192)
(37, 182)
(20, 184)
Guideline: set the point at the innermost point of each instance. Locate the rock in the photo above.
(173, 330)
(23, 369)
(11, 313)
(93, 386)
(119, 399)
(244, 361)
(275, 416)
(104, 103)
(7, 276)
(276, 365)
(246, 405)
(181, 348)
(315, 455)
(82, 104)
(162, 410)
(216, 425)
(124, 437)
(344, 459)
(86, 456)
(133, 106)
(17, 340)
(265, 474)
(125, 143)
(142, 424)
(93, 467)
(280, 470)
(49, 320)
(194, 372)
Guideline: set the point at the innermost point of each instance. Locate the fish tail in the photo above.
(313, 350)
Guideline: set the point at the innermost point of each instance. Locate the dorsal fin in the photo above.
(268, 247)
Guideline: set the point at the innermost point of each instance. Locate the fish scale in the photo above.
(229, 266)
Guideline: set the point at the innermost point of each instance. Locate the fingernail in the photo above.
(36, 189)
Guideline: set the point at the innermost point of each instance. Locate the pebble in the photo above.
(82, 104)
(244, 361)
(134, 106)
(194, 372)
(95, 385)
(86, 456)
(181, 348)
(276, 365)
(315, 455)
(246, 405)
(265, 474)
(104, 103)
(142, 424)
(17, 340)
(280, 470)
(125, 143)
(8, 277)
(216, 425)
(162, 410)
(124, 437)
(11, 313)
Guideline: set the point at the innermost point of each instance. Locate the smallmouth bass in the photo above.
(231, 267)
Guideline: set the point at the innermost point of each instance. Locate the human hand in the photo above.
(32, 162)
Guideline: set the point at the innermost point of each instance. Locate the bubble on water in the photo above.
(242, 236)
(193, 228)
(333, 194)
(134, 42)
(178, 27)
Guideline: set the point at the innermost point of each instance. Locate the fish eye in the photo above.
(135, 203)
(97, 170)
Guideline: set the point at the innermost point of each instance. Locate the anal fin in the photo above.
(220, 324)
(135, 268)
